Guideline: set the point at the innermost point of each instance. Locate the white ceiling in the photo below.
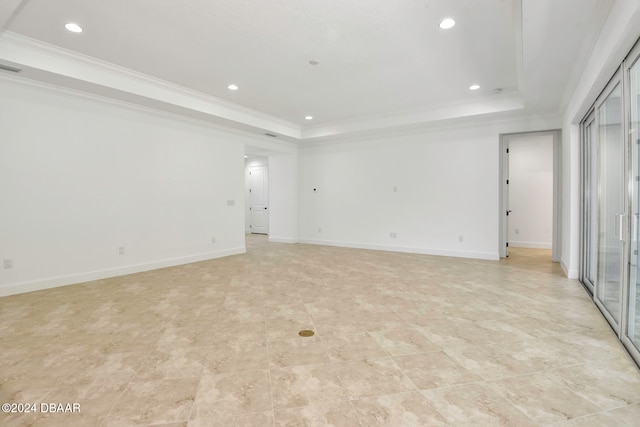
(381, 63)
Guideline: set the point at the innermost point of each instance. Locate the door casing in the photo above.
(259, 200)
(504, 191)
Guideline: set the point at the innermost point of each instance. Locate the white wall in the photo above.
(447, 186)
(531, 190)
(80, 178)
(283, 198)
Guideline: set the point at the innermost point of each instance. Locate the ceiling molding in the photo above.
(527, 30)
(9, 9)
(508, 122)
(481, 106)
(51, 59)
(617, 37)
(596, 25)
(274, 145)
(66, 68)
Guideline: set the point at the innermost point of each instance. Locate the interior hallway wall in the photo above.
(82, 178)
(283, 197)
(433, 192)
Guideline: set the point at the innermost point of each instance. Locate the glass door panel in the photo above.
(610, 203)
(633, 321)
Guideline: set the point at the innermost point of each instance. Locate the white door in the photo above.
(258, 200)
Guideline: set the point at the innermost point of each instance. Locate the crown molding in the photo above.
(505, 102)
(42, 56)
(596, 25)
(507, 122)
(247, 138)
(80, 73)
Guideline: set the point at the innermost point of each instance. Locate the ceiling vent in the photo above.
(271, 135)
(9, 68)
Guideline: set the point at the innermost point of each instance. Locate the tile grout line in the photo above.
(344, 283)
(127, 386)
(601, 411)
(195, 396)
(273, 411)
(335, 372)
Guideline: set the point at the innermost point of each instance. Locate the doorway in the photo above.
(529, 192)
(257, 195)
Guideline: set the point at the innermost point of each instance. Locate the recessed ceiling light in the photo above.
(74, 28)
(232, 87)
(474, 87)
(446, 23)
(308, 117)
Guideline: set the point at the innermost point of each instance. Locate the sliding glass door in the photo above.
(611, 202)
(632, 330)
(611, 184)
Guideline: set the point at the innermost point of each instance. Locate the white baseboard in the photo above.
(530, 245)
(276, 239)
(571, 274)
(54, 282)
(493, 256)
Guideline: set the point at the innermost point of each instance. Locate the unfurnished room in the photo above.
(320, 213)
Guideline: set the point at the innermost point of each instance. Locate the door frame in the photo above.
(251, 162)
(632, 59)
(585, 171)
(264, 168)
(556, 234)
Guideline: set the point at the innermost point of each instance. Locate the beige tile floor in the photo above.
(401, 340)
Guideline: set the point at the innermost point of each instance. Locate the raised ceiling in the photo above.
(381, 63)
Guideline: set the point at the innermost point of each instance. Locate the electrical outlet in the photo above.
(460, 239)
(319, 230)
(395, 188)
(393, 235)
(231, 202)
(121, 250)
(517, 230)
(8, 263)
(213, 240)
